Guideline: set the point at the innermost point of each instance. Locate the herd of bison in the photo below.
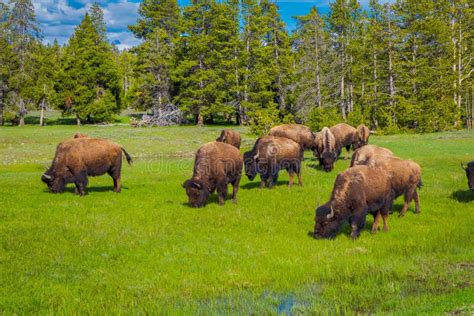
(373, 181)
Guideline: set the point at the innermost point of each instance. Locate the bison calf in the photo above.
(300, 134)
(269, 155)
(78, 158)
(357, 191)
(230, 137)
(215, 166)
(470, 174)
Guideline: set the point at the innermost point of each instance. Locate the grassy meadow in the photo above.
(145, 251)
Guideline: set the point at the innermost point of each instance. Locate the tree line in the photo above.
(407, 65)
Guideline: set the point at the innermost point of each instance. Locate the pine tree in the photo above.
(5, 57)
(89, 82)
(314, 57)
(97, 17)
(25, 34)
(158, 27)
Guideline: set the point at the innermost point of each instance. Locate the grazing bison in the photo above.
(318, 145)
(230, 137)
(363, 133)
(368, 153)
(357, 191)
(296, 132)
(405, 178)
(78, 158)
(345, 135)
(330, 151)
(80, 135)
(215, 166)
(470, 174)
(269, 155)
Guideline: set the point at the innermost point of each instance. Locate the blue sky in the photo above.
(58, 18)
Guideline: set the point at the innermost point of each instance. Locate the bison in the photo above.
(230, 137)
(345, 135)
(330, 151)
(299, 133)
(405, 178)
(357, 191)
(318, 145)
(363, 133)
(470, 174)
(269, 155)
(80, 135)
(366, 154)
(215, 166)
(78, 158)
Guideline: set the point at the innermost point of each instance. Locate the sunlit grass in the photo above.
(144, 250)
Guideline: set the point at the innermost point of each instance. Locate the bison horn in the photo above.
(373, 132)
(331, 215)
(47, 176)
(256, 156)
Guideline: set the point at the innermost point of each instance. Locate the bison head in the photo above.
(470, 174)
(326, 222)
(250, 165)
(54, 182)
(197, 192)
(328, 158)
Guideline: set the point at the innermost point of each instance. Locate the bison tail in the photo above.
(420, 184)
(127, 156)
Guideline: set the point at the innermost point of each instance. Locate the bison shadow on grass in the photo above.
(255, 185)
(463, 196)
(99, 189)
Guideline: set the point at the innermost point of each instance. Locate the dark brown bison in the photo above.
(296, 132)
(269, 155)
(345, 135)
(230, 137)
(80, 135)
(215, 166)
(78, 158)
(330, 151)
(357, 191)
(405, 178)
(470, 174)
(367, 153)
(363, 133)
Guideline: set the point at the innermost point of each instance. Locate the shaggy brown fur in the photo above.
(269, 155)
(346, 136)
(296, 132)
(330, 150)
(469, 174)
(405, 178)
(318, 144)
(363, 133)
(80, 135)
(357, 191)
(78, 158)
(365, 154)
(216, 165)
(230, 137)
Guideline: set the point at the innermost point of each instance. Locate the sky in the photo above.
(58, 18)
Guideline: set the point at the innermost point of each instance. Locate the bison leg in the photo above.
(375, 226)
(221, 191)
(385, 221)
(348, 148)
(358, 223)
(292, 177)
(235, 189)
(114, 172)
(417, 202)
(298, 173)
(117, 187)
(408, 196)
(81, 182)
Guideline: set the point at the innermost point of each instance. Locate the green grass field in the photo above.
(145, 251)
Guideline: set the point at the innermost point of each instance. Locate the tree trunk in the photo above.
(42, 113)
(78, 121)
(1, 104)
(391, 83)
(318, 79)
(376, 101)
(200, 119)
